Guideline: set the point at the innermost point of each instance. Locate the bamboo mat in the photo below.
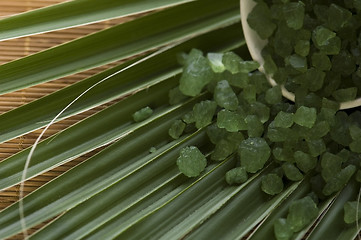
(17, 48)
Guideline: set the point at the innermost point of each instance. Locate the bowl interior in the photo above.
(255, 45)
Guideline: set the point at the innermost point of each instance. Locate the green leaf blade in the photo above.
(75, 13)
(118, 42)
(38, 113)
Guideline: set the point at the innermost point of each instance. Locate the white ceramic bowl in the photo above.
(255, 45)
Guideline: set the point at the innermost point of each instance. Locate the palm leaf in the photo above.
(118, 42)
(142, 75)
(75, 13)
(123, 191)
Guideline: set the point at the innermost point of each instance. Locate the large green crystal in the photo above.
(231, 121)
(302, 47)
(283, 120)
(231, 62)
(236, 176)
(304, 161)
(321, 61)
(260, 20)
(339, 181)
(316, 147)
(222, 150)
(344, 63)
(196, 75)
(254, 126)
(273, 95)
(215, 60)
(254, 153)
(224, 96)
(176, 96)
(294, 13)
(305, 116)
(176, 129)
(203, 113)
(297, 62)
(292, 172)
(346, 94)
(351, 213)
(301, 213)
(326, 40)
(272, 184)
(215, 134)
(191, 162)
(282, 229)
(338, 17)
(142, 114)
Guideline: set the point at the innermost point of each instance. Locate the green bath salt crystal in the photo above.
(203, 113)
(344, 63)
(224, 96)
(272, 184)
(261, 111)
(304, 161)
(339, 181)
(355, 132)
(231, 121)
(331, 165)
(283, 120)
(196, 74)
(222, 150)
(231, 62)
(188, 118)
(351, 214)
(302, 47)
(305, 116)
(215, 134)
(355, 146)
(249, 94)
(357, 4)
(301, 213)
(235, 64)
(191, 162)
(358, 176)
(215, 60)
(282, 229)
(269, 65)
(239, 80)
(315, 79)
(316, 147)
(176, 96)
(276, 134)
(297, 62)
(321, 36)
(282, 154)
(346, 94)
(273, 95)
(142, 114)
(248, 66)
(260, 20)
(176, 129)
(254, 126)
(292, 172)
(321, 61)
(236, 176)
(338, 17)
(254, 153)
(294, 13)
